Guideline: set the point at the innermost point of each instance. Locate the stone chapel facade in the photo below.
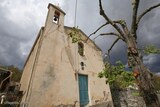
(59, 73)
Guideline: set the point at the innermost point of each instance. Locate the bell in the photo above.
(55, 19)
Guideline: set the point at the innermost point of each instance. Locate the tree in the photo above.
(117, 76)
(129, 36)
(156, 82)
(16, 72)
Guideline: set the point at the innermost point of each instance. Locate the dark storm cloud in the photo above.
(9, 47)
(13, 38)
(152, 62)
(20, 22)
(149, 33)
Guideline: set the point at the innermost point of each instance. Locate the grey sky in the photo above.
(21, 20)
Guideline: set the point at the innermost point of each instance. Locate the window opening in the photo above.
(56, 17)
(81, 48)
(82, 65)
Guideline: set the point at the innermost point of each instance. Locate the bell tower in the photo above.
(55, 17)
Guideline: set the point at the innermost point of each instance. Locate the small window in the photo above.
(81, 48)
(56, 17)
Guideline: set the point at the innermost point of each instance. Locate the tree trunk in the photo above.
(142, 74)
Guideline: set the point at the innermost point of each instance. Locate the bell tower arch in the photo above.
(55, 17)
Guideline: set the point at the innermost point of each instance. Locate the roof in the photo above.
(65, 27)
(87, 39)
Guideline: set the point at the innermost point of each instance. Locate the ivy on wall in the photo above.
(75, 35)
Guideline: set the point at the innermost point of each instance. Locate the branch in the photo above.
(124, 26)
(135, 4)
(111, 33)
(96, 37)
(118, 21)
(113, 45)
(97, 30)
(109, 20)
(146, 11)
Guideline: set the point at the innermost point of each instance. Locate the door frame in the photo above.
(79, 74)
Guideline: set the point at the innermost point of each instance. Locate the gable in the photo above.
(84, 37)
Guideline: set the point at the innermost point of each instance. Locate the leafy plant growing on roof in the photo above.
(75, 35)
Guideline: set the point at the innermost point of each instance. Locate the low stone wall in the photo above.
(103, 104)
(127, 98)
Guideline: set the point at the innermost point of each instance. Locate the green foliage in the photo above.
(151, 49)
(135, 93)
(16, 72)
(81, 51)
(117, 76)
(75, 35)
(156, 82)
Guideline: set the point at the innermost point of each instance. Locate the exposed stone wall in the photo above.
(99, 104)
(103, 104)
(127, 98)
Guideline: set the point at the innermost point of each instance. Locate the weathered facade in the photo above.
(56, 74)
